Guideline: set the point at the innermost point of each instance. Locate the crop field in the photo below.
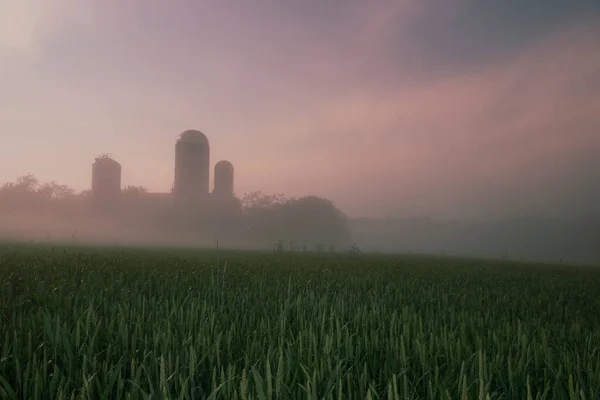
(126, 323)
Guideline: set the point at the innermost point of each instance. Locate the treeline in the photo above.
(32, 209)
(256, 219)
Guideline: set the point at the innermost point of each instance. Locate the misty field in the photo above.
(138, 323)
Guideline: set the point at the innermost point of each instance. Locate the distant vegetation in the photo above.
(257, 219)
(30, 209)
(123, 323)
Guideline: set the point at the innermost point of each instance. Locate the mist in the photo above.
(51, 214)
(53, 230)
(456, 128)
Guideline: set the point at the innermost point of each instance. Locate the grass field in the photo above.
(113, 323)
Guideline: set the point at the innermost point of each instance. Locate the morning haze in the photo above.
(458, 127)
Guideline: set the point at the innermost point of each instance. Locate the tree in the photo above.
(306, 220)
(132, 190)
(261, 214)
(85, 194)
(54, 191)
(257, 216)
(258, 200)
(314, 220)
(26, 193)
(21, 194)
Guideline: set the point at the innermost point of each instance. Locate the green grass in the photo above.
(139, 323)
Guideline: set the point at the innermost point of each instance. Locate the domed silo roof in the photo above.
(192, 136)
(224, 165)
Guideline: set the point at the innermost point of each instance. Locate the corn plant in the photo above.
(145, 323)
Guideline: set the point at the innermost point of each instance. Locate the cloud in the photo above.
(384, 106)
(25, 24)
(470, 136)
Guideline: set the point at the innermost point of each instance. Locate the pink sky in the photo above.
(347, 100)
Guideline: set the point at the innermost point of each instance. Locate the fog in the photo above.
(50, 214)
(574, 241)
(519, 239)
(52, 230)
(457, 127)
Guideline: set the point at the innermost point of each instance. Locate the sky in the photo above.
(450, 109)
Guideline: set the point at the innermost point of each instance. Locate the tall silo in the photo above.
(192, 166)
(106, 181)
(223, 186)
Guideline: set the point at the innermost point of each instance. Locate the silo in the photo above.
(223, 186)
(106, 180)
(192, 166)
